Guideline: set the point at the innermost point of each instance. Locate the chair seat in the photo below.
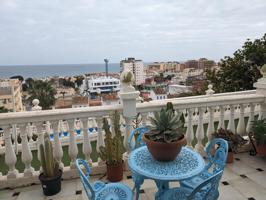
(196, 180)
(115, 191)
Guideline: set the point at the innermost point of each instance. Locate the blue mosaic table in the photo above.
(186, 165)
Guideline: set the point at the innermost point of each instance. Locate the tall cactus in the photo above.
(112, 153)
(49, 165)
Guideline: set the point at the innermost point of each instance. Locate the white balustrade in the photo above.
(86, 148)
(10, 156)
(189, 131)
(57, 150)
(250, 118)
(100, 140)
(26, 155)
(210, 129)
(200, 132)
(221, 119)
(72, 148)
(241, 129)
(231, 123)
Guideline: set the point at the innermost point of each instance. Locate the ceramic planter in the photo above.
(162, 151)
(115, 172)
(51, 186)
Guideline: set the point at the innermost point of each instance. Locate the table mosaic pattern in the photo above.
(187, 164)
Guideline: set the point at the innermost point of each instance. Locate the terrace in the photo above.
(244, 179)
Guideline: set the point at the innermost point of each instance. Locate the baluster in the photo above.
(200, 132)
(10, 156)
(77, 125)
(30, 131)
(26, 155)
(144, 117)
(128, 129)
(100, 141)
(241, 123)
(40, 140)
(57, 150)
(221, 118)
(189, 131)
(251, 117)
(72, 149)
(86, 147)
(210, 129)
(231, 124)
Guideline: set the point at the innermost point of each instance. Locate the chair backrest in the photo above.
(208, 190)
(217, 151)
(85, 178)
(137, 134)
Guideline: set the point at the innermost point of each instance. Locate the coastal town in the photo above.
(157, 80)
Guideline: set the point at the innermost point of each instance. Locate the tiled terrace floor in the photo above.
(244, 179)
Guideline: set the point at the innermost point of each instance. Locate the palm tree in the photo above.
(43, 91)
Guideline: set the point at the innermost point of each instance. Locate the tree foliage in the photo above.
(3, 109)
(43, 91)
(239, 72)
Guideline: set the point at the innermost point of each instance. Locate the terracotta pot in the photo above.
(261, 150)
(230, 157)
(115, 172)
(162, 151)
(51, 186)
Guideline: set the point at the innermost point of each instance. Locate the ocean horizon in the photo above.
(41, 71)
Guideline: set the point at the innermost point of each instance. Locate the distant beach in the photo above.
(40, 71)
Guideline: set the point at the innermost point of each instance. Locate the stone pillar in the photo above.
(36, 106)
(128, 96)
(261, 90)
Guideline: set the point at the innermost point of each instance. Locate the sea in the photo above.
(41, 71)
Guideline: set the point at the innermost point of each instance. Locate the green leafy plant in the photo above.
(259, 131)
(50, 166)
(234, 140)
(113, 150)
(166, 126)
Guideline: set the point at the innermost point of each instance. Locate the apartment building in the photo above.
(136, 66)
(10, 94)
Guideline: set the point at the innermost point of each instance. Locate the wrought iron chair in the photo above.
(99, 190)
(207, 190)
(137, 135)
(216, 151)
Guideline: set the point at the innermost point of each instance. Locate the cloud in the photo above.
(85, 31)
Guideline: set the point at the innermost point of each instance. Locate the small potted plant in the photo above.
(127, 80)
(112, 152)
(165, 137)
(258, 136)
(234, 141)
(51, 174)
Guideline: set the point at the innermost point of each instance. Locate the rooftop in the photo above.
(244, 179)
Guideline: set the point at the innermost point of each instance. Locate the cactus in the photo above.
(113, 150)
(50, 166)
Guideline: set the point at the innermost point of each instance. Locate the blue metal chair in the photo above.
(138, 141)
(99, 190)
(216, 151)
(207, 190)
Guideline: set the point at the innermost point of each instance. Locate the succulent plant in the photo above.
(166, 126)
(50, 166)
(234, 140)
(127, 77)
(259, 130)
(113, 150)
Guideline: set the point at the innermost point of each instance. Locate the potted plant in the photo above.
(258, 136)
(51, 174)
(112, 152)
(234, 141)
(165, 137)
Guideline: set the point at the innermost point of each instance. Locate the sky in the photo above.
(87, 31)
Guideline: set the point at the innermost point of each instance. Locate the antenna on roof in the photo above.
(106, 66)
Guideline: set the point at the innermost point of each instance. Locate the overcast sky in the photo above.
(87, 31)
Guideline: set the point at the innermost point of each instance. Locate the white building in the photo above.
(177, 89)
(100, 84)
(135, 66)
(158, 94)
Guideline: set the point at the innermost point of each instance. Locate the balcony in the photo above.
(243, 179)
